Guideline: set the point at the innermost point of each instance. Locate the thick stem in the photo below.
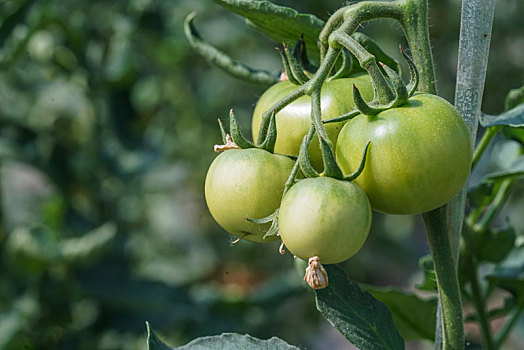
(353, 15)
(448, 286)
(332, 23)
(414, 20)
(475, 34)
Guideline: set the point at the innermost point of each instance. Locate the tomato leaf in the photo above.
(509, 274)
(514, 118)
(153, 341)
(411, 325)
(362, 319)
(494, 245)
(231, 341)
(279, 23)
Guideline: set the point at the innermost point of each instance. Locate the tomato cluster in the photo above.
(419, 158)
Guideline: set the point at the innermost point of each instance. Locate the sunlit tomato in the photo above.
(419, 159)
(294, 120)
(324, 217)
(246, 183)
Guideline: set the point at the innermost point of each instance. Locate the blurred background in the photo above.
(107, 124)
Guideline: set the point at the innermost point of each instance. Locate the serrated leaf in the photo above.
(233, 341)
(494, 245)
(509, 274)
(363, 320)
(153, 341)
(414, 317)
(514, 118)
(279, 23)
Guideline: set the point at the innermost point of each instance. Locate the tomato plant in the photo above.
(324, 217)
(244, 184)
(410, 153)
(294, 120)
(420, 158)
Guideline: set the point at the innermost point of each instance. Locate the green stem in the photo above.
(277, 107)
(332, 23)
(323, 71)
(316, 116)
(414, 20)
(484, 143)
(436, 223)
(506, 329)
(368, 62)
(498, 202)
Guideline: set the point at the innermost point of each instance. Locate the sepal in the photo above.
(236, 133)
(331, 168)
(360, 169)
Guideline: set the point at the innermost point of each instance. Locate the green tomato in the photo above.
(324, 217)
(246, 183)
(294, 120)
(419, 158)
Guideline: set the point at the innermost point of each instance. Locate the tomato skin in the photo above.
(419, 158)
(294, 120)
(246, 183)
(324, 217)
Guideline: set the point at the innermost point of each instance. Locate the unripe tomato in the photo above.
(324, 217)
(246, 183)
(294, 120)
(419, 159)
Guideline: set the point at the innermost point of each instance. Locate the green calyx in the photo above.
(273, 229)
(296, 63)
(240, 141)
(331, 168)
(402, 92)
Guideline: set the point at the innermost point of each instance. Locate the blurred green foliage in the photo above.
(107, 122)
